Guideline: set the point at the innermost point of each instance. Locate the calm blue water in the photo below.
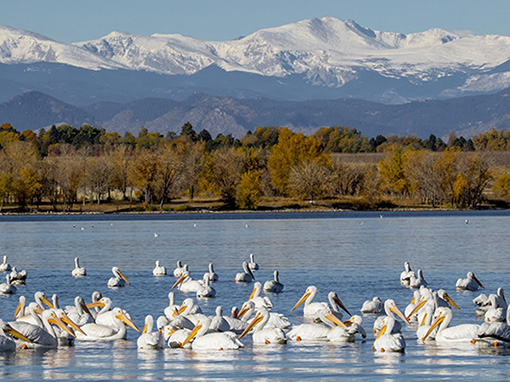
(359, 255)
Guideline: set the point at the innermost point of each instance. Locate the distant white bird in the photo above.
(206, 290)
(246, 276)
(406, 275)
(5, 266)
(372, 306)
(252, 264)
(273, 286)
(466, 221)
(179, 269)
(470, 283)
(7, 287)
(78, 271)
(213, 276)
(156, 234)
(416, 282)
(159, 270)
(119, 280)
(18, 278)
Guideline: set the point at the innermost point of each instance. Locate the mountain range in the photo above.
(322, 58)
(464, 115)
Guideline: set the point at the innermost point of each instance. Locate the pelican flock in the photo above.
(430, 314)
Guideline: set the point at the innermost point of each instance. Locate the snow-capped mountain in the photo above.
(323, 53)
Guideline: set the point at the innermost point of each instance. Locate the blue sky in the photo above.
(74, 20)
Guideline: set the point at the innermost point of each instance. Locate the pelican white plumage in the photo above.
(262, 333)
(406, 275)
(236, 325)
(211, 341)
(206, 290)
(274, 285)
(186, 284)
(252, 264)
(179, 269)
(118, 280)
(218, 322)
(374, 306)
(246, 276)
(310, 307)
(118, 331)
(316, 332)
(105, 315)
(159, 270)
(150, 340)
(276, 320)
(7, 336)
(335, 303)
(446, 334)
(257, 300)
(213, 276)
(171, 308)
(495, 332)
(414, 301)
(78, 271)
(347, 332)
(470, 283)
(485, 303)
(388, 339)
(5, 266)
(390, 309)
(18, 278)
(7, 287)
(79, 313)
(417, 281)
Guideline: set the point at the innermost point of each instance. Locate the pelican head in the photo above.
(311, 290)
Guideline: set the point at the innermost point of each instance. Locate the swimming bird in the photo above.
(246, 276)
(211, 341)
(5, 266)
(470, 283)
(7, 336)
(257, 299)
(118, 280)
(374, 306)
(484, 302)
(405, 276)
(18, 278)
(310, 307)
(316, 331)
(391, 310)
(206, 290)
(159, 270)
(495, 332)
(347, 332)
(179, 269)
(78, 271)
(273, 286)
(277, 320)
(388, 339)
(252, 264)
(262, 333)
(7, 287)
(186, 284)
(79, 313)
(218, 322)
(150, 340)
(172, 307)
(213, 276)
(446, 334)
(118, 331)
(417, 281)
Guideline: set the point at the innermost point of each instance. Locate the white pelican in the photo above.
(206, 290)
(316, 332)
(310, 307)
(444, 300)
(21, 313)
(347, 332)
(252, 264)
(484, 302)
(262, 334)
(276, 320)
(211, 341)
(470, 283)
(257, 300)
(273, 286)
(445, 334)
(390, 309)
(7, 333)
(5, 266)
(416, 282)
(190, 311)
(106, 315)
(389, 340)
(119, 280)
(18, 278)
(414, 301)
(78, 271)
(187, 284)
(97, 332)
(213, 276)
(218, 322)
(236, 325)
(7, 287)
(159, 270)
(335, 303)
(246, 276)
(425, 319)
(43, 334)
(149, 339)
(79, 313)
(171, 308)
(179, 269)
(405, 276)
(96, 296)
(372, 306)
(495, 332)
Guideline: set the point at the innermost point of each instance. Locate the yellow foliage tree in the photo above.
(248, 191)
(392, 170)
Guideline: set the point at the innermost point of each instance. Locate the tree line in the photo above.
(65, 166)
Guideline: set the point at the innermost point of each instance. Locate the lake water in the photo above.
(359, 255)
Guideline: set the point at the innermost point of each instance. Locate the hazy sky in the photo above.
(78, 20)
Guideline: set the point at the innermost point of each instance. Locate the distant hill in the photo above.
(465, 115)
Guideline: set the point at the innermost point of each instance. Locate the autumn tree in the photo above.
(142, 174)
(392, 170)
(309, 179)
(248, 191)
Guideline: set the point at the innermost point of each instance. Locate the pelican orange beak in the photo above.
(253, 322)
(95, 304)
(397, 311)
(17, 310)
(416, 308)
(87, 310)
(440, 318)
(412, 301)
(13, 332)
(424, 319)
(179, 280)
(301, 300)
(192, 334)
(182, 309)
(144, 330)
(47, 302)
(478, 281)
(450, 301)
(38, 311)
(125, 319)
(381, 332)
(57, 321)
(123, 277)
(252, 293)
(242, 312)
(65, 318)
(341, 305)
(338, 322)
